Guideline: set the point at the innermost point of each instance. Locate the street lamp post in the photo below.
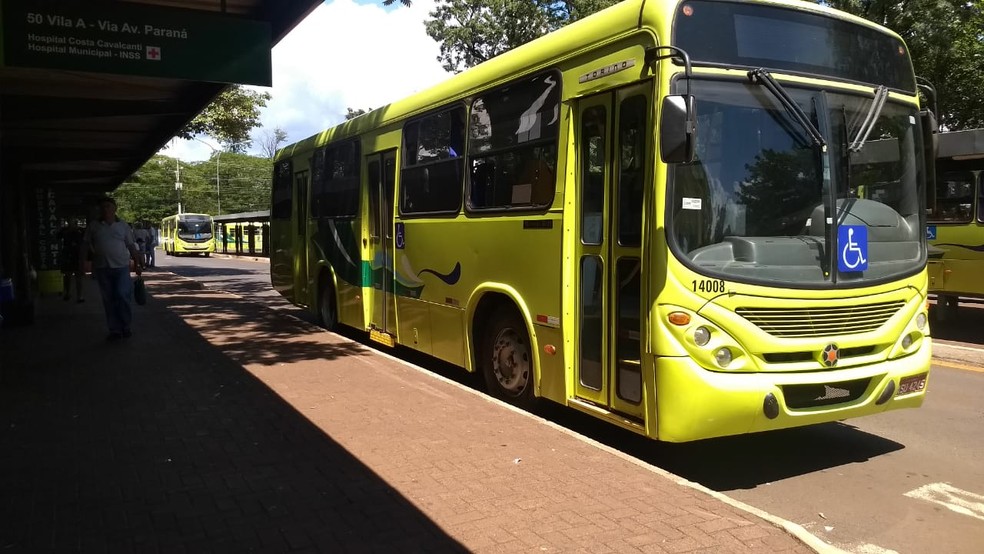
(218, 189)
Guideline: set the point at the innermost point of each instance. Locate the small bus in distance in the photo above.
(187, 234)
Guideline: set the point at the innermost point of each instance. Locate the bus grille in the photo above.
(821, 322)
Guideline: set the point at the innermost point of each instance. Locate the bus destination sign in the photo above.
(134, 39)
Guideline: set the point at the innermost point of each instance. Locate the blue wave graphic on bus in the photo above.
(450, 278)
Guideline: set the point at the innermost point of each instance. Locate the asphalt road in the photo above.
(909, 481)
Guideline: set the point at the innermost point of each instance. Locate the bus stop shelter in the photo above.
(90, 91)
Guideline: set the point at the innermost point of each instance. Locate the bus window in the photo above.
(980, 197)
(432, 172)
(954, 198)
(340, 192)
(631, 169)
(513, 148)
(593, 133)
(282, 194)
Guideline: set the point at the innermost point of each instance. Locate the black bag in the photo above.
(139, 291)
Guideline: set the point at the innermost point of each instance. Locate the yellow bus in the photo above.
(187, 234)
(651, 216)
(240, 237)
(956, 221)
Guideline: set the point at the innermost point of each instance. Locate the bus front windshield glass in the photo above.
(199, 227)
(754, 205)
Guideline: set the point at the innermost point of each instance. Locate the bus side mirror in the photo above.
(678, 129)
(931, 130)
(931, 150)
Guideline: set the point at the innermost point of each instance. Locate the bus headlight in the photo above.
(702, 335)
(921, 321)
(723, 356)
(907, 341)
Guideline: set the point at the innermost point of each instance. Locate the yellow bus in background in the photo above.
(187, 234)
(689, 219)
(240, 237)
(956, 221)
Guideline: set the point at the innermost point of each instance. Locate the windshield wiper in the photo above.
(881, 94)
(766, 79)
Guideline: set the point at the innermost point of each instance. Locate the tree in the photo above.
(244, 186)
(352, 114)
(270, 141)
(230, 118)
(473, 31)
(946, 41)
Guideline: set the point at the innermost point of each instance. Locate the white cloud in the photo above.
(343, 55)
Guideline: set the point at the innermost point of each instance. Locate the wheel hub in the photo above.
(511, 361)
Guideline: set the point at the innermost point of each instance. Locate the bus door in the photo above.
(381, 175)
(300, 248)
(613, 155)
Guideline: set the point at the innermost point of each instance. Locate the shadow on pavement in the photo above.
(738, 462)
(966, 328)
(244, 323)
(161, 443)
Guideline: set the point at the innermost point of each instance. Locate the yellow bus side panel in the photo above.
(960, 269)
(414, 323)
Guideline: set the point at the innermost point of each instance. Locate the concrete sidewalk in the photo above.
(223, 425)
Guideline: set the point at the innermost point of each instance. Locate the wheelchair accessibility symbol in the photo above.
(852, 241)
(401, 236)
(931, 232)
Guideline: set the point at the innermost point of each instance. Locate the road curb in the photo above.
(238, 257)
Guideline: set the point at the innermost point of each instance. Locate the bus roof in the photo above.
(605, 26)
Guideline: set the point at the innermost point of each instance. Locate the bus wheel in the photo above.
(506, 359)
(207, 254)
(326, 307)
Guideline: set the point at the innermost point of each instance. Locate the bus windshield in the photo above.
(195, 226)
(754, 204)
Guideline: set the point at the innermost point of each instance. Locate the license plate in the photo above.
(911, 384)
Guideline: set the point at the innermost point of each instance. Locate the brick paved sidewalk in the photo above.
(223, 425)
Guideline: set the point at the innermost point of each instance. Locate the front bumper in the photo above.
(695, 403)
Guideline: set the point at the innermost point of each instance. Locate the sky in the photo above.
(345, 54)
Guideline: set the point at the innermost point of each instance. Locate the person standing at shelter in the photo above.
(113, 246)
(142, 235)
(151, 246)
(71, 265)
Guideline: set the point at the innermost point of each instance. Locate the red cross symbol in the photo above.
(153, 53)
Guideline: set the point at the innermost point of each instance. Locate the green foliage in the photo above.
(230, 118)
(352, 114)
(244, 186)
(946, 40)
(473, 31)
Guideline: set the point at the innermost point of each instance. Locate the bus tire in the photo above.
(505, 358)
(327, 309)
(207, 254)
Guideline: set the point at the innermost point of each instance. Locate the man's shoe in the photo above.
(127, 334)
(114, 336)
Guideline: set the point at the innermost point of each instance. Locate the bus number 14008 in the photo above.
(709, 285)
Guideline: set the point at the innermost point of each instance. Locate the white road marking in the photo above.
(872, 549)
(944, 494)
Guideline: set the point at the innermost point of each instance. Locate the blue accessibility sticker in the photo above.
(401, 236)
(852, 248)
(931, 232)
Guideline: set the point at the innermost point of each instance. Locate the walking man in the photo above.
(113, 246)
